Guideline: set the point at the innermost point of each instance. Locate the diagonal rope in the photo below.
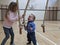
(24, 14)
(43, 25)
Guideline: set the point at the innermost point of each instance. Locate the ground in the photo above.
(50, 37)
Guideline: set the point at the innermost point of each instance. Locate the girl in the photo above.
(10, 17)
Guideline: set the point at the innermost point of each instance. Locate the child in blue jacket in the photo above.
(31, 30)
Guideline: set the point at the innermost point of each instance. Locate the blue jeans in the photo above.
(31, 37)
(8, 31)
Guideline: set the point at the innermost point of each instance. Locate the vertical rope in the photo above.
(20, 28)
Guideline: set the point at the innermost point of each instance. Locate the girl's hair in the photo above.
(12, 7)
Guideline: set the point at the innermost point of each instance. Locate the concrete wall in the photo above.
(51, 3)
(57, 4)
(38, 4)
(58, 17)
(0, 14)
(5, 2)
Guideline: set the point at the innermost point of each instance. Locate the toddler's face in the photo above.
(30, 18)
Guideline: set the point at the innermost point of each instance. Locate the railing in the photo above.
(51, 12)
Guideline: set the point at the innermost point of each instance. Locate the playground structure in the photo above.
(49, 25)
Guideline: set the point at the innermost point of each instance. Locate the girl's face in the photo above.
(30, 18)
(15, 9)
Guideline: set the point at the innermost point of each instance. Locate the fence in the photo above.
(51, 13)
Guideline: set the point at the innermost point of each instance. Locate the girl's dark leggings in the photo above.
(8, 31)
